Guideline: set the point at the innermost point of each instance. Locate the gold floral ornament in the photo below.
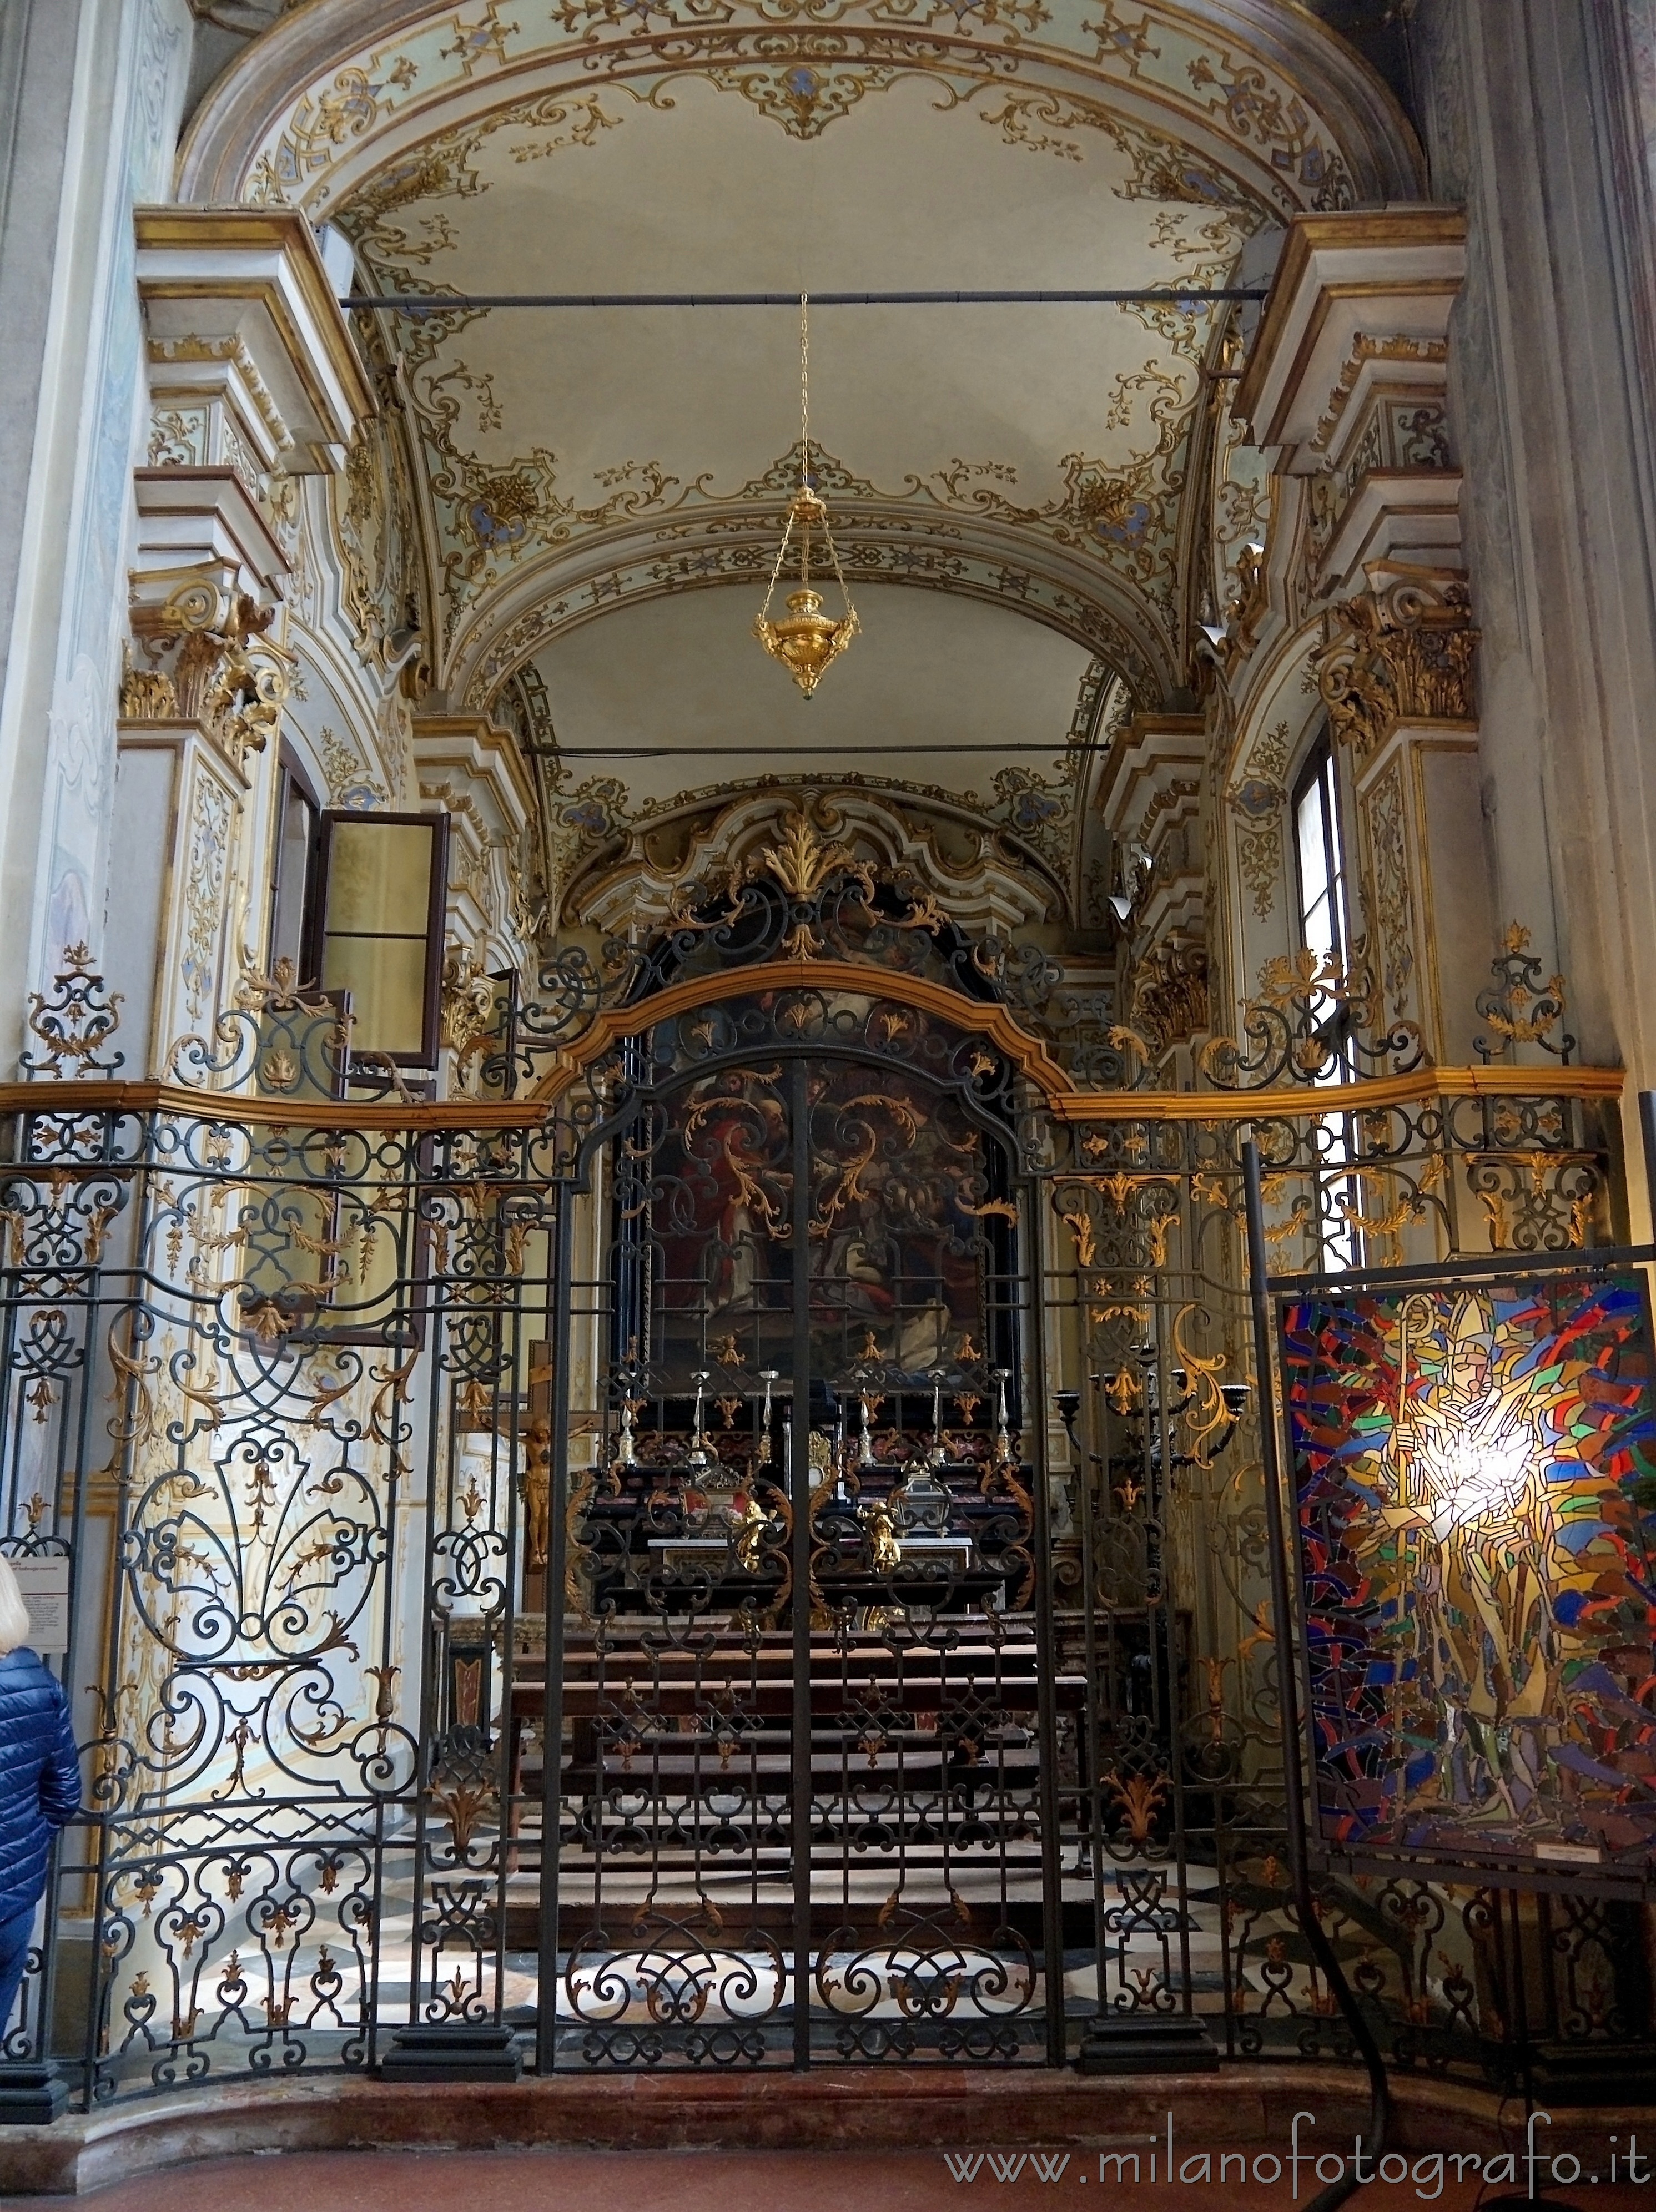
(1519, 1007)
(73, 1022)
(806, 641)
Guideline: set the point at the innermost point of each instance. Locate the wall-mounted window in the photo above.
(1323, 880)
(294, 870)
(382, 884)
(1320, 852)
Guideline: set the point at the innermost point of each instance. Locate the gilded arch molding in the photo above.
(1268, 92)
(726, 543)
(973, 1018)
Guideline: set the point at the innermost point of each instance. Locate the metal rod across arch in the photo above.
(431, 303)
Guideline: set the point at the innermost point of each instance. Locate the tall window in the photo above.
(293, 877)
(1325, 924)
(1325, 931)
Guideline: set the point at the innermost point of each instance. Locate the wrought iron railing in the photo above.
(293, 1363)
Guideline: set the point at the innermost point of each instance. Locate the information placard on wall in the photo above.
(44, 1581)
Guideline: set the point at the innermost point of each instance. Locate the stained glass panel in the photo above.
(1475, 1473)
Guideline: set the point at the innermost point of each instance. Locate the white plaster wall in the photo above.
(101, 87)
(1531, 117)
(145, 799)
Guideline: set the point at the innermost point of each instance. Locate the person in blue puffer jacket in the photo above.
(39, 1781)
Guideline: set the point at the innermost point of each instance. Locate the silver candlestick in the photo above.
(1003, 1433)
(767, 1375)
(626, 1453)
(698, 1459)
(866, 1456)
(938, 1457)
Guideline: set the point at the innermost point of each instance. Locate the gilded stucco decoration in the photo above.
(1241, 515)
(375, 530)
(1403, 651)
(212, 815)
(212, 661)
(729, 837)
(613, 858)
(395, 733)
(1384, 811)
(1168, 996)
(468, 1009)
(350, 782)
(1258, 799)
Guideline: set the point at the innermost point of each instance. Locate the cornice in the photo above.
(215, 252)
(1296, 1101)
(477, 746)
(178, 1101)
(1301, 302)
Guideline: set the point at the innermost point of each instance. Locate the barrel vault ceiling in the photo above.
(599, 492)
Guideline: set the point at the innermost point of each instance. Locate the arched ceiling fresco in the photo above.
(576, 465)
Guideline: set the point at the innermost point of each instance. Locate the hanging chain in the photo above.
(850, 620)
(775, 572)
(805, 454)
(805, 486)
(805, 434)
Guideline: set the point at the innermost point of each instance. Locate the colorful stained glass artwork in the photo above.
(1475, 1471)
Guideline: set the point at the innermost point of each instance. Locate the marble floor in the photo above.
(719, 2181)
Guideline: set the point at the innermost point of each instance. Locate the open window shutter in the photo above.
(384, 885)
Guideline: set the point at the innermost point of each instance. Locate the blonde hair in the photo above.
(14, 1627)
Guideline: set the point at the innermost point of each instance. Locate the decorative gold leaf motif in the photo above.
(802, 860)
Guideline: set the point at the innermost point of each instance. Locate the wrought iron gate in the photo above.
(805, 1809)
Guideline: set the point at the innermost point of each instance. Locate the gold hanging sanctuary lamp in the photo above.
(806, 641)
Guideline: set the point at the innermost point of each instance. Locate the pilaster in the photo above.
(1149, 794)
(474, 770)
(253, 379)
(1346, 387)
(182, 803)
